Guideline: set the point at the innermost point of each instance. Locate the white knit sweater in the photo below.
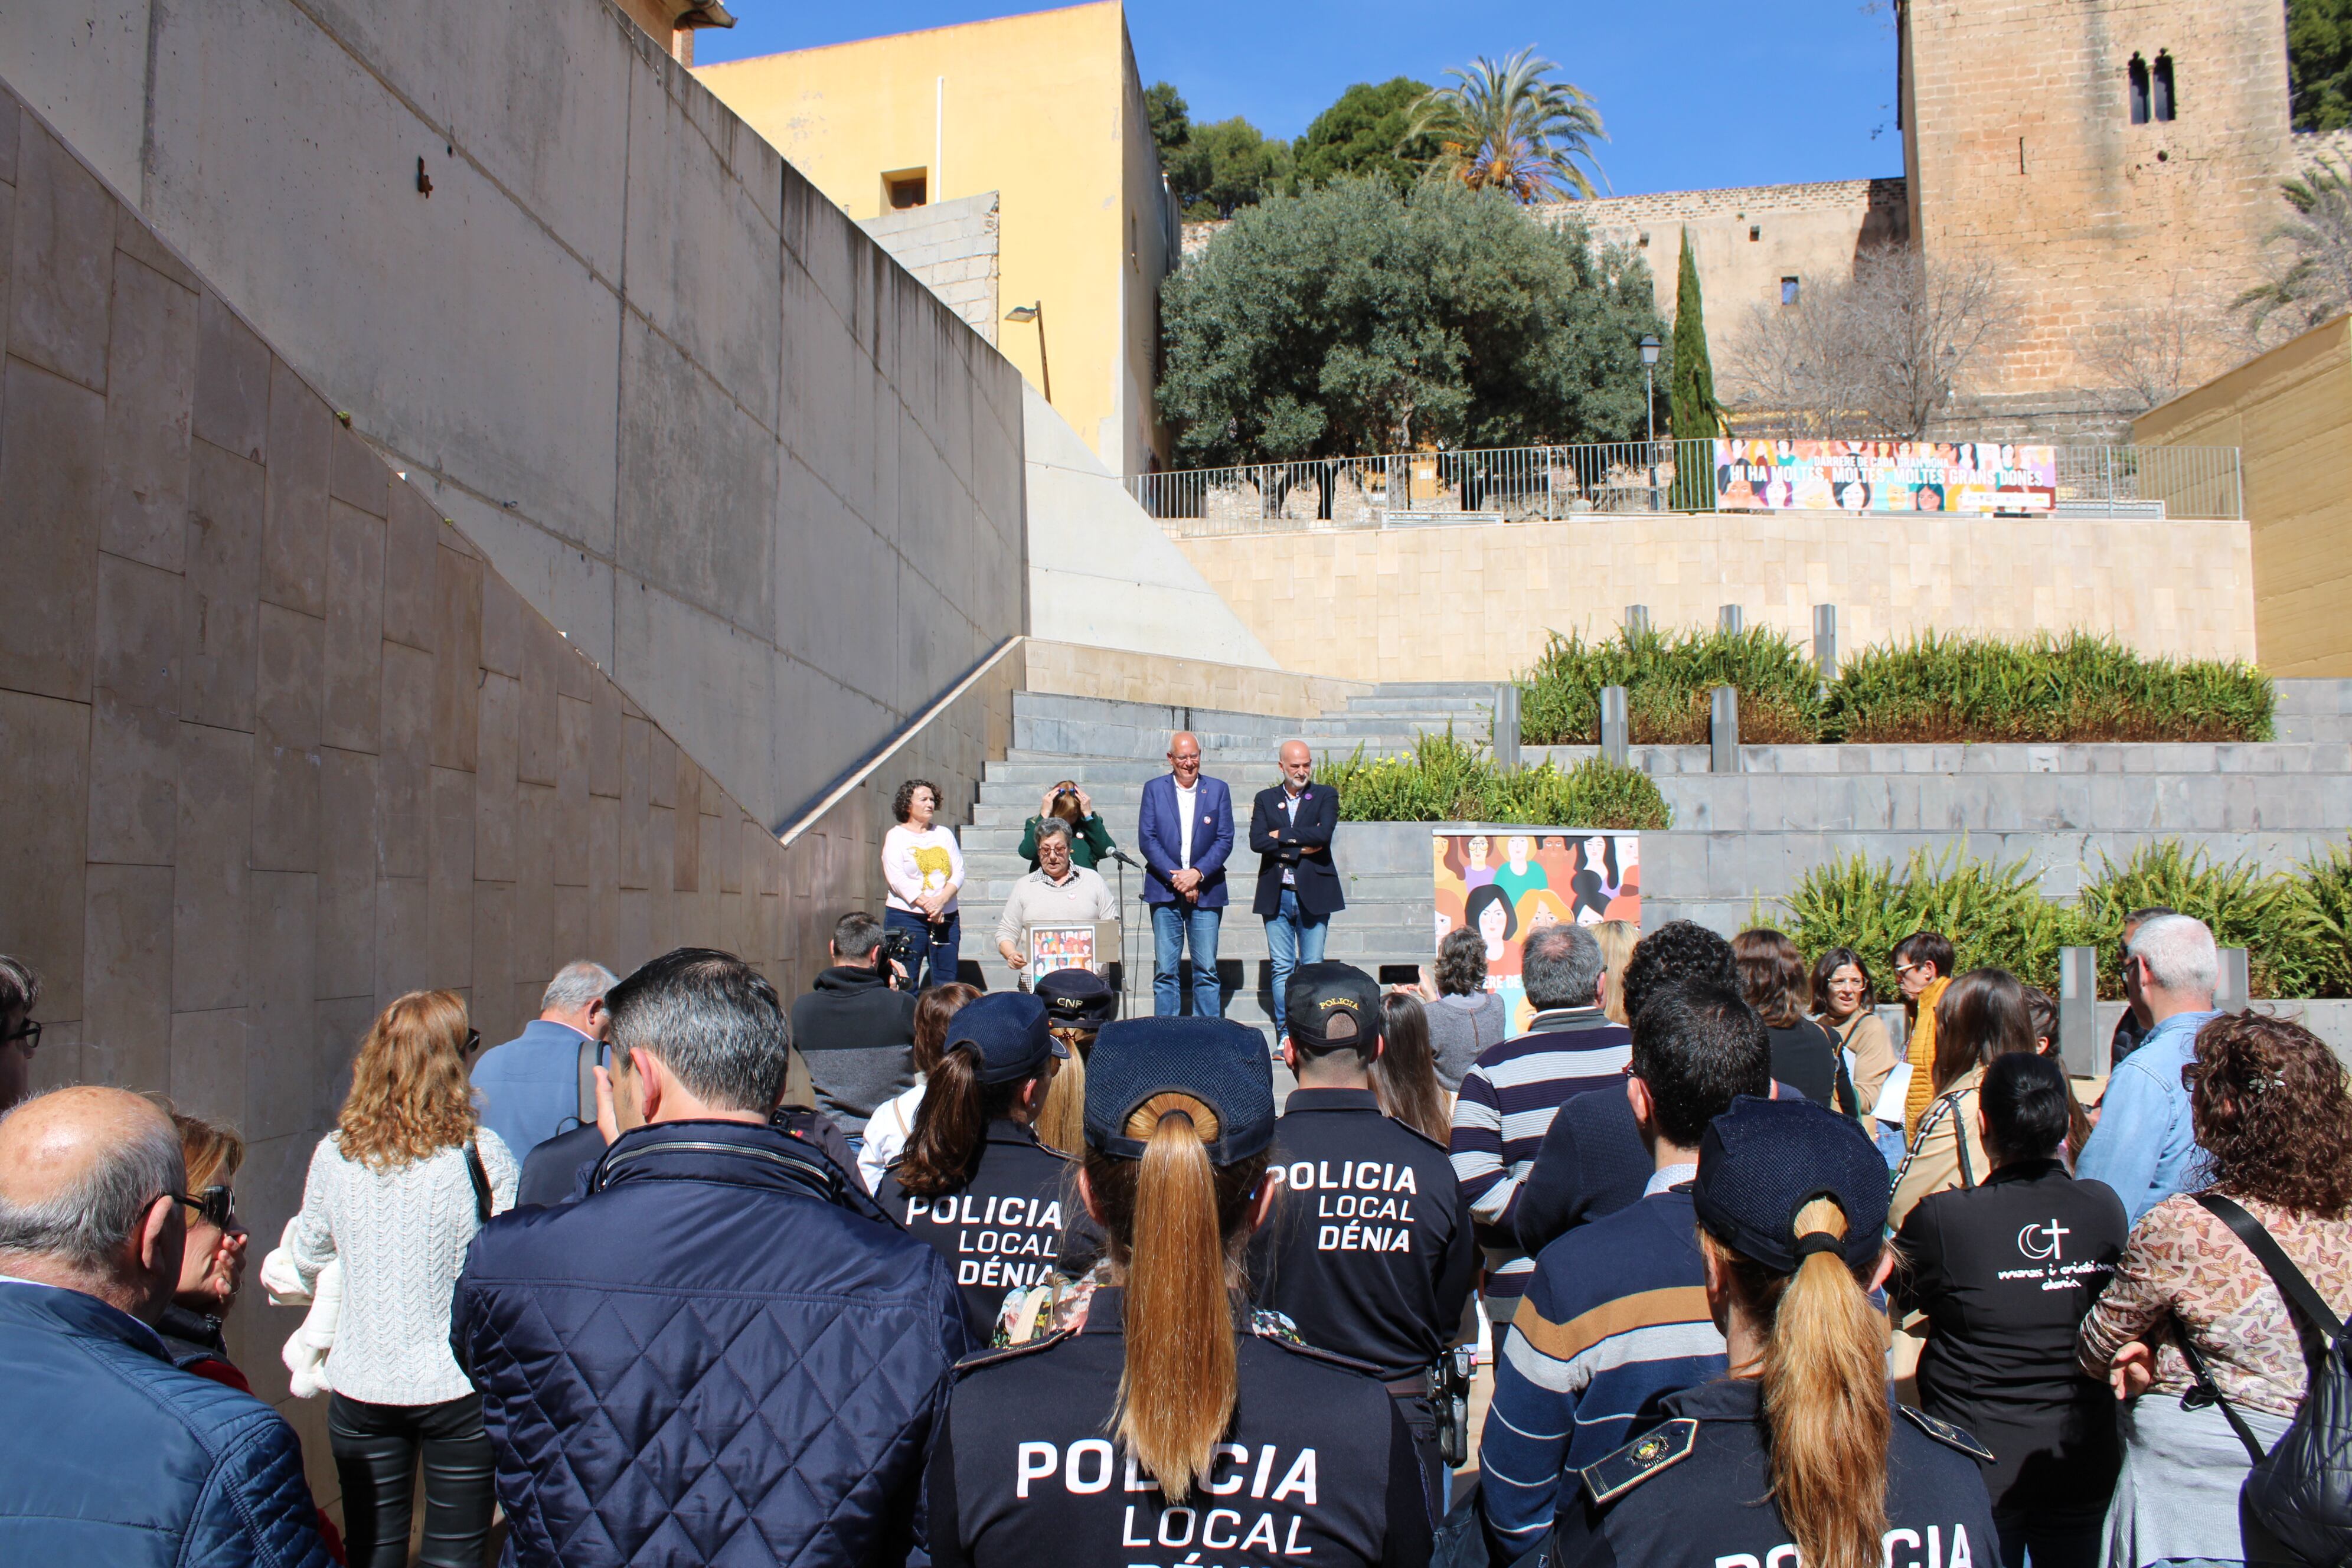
(402, 1234)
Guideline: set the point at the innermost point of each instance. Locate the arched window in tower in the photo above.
(2137, 73)
(2164, 100)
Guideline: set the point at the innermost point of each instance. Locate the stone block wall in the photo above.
(279, 743)
(1475, 602)
(951, 249)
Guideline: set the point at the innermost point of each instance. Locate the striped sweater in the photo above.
(1507, 1100)
(1614, 1321)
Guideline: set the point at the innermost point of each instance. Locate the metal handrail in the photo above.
(1526, 484)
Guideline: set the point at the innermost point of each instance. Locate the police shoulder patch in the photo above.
(979, 1359)
(1947, 1434)
(1660, 1447)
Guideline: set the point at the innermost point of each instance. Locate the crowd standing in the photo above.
(909, 1271)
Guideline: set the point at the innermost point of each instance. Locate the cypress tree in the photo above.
(1690, 387)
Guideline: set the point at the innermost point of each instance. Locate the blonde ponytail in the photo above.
(1824, 1397)
(1061, 1122)
(1176, 1224)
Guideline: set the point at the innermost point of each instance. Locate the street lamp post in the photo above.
(1649, 407)
(1036, 313)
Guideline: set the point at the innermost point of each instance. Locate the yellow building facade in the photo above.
(1045, 110)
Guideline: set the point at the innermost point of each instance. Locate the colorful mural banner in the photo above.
(1884, 476)
(1504, 882)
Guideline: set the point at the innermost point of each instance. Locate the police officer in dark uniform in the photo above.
(1232, 1444)
(1800, 1457)
(1078, 1003)
(973, 1180)
(1370, 1250)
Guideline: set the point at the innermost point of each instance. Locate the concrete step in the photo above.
(2309, 755)
(2303, 695)
(1416, 706)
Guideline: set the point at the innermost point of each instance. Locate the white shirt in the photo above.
(1290, 805)
(1185, 799)
(1671, 1176)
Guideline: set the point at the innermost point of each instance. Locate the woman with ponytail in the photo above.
(973, 1180)
(1141, 1412)
(1800, 1456)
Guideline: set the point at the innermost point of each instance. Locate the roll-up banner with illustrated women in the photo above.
(1504, 882)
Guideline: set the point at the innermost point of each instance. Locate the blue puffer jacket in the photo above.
(110, 1454)
(715, 1357)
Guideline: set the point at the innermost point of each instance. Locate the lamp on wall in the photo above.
(1649, 407)
(1036, 313)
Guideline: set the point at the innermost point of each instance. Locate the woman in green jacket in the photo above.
(1089, 840)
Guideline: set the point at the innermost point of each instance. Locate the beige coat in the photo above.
(1934, 1164)
(1864, 1034)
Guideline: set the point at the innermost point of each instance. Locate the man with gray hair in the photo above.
(724, 1340)
(108, 1452)
(2145, 1146)
(1511, 1093)
(535, 1086)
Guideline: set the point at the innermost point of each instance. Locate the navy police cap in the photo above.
(1763, 1159)
(1006, 1032)
(1217, 1061)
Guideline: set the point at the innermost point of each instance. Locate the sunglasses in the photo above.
(473, 1042)
(27, 1034)
(216, 1206)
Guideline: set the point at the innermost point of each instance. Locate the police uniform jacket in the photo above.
(1694, 1492)
(1002, 1231)
(1370, 1250)
(1318, 1469)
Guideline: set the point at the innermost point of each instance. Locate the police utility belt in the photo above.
(1445, 1383)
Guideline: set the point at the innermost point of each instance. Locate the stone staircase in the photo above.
(1112, 748)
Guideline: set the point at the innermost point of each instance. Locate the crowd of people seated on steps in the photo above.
(909, 1271)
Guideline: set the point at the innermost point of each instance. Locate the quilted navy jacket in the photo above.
(110, 1454)
(722, 1354)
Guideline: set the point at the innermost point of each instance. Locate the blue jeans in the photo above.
(1292, 938)
(1171, 924)
(937, 943)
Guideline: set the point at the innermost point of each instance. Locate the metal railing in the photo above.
(1531, 484)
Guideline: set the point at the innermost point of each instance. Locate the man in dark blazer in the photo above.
(1186, 833)
(1298, 886)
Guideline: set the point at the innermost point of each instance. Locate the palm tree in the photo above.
(2312, 281)
(1511, 128)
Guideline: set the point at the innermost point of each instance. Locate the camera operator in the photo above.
(1068, 802)
(857, 1030)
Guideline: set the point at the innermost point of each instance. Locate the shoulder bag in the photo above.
(481, 1179)
(2302, 1490)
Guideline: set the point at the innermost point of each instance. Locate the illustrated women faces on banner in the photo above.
(1504, 885)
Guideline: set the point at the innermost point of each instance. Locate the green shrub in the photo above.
(1935, 687)
(2077, 688)
(1669, 680)
(1447, 780)
(2295, 926)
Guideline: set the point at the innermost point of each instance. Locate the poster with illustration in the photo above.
(1504, 882)
(1060, 947)
(1884, 476)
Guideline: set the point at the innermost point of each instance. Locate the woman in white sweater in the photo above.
(395, 1193)
(924, 867)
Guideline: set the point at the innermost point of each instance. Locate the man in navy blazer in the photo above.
(1298, 886)
(1186, 833)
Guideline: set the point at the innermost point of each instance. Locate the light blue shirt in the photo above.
(531, 1085)
(2145, 1146)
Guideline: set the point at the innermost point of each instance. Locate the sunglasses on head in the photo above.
(216, 1206)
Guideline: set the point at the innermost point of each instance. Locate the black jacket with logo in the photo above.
(2006, 1271)
(1695, 1491)
(1317, 1470)
(1368, 1248)
(1004, 1229)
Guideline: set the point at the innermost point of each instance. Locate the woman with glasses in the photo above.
(1924, 962)
(20, 1037)
(1843, 1003)
(397, 1192)
(211, 1266)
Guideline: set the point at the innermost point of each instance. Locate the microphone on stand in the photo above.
(1120, 856)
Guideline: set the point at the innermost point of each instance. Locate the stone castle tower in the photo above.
(2110, 159)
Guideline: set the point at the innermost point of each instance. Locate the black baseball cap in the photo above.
(1332, 1007)
(1006, 1033)
(1217, 1061)
(1763, 1159)
(1076, 998)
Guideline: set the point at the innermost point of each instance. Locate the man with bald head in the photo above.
(1291, 826)
(108, 1452)
(1186, 832)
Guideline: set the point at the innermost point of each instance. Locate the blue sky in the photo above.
(1694, 93)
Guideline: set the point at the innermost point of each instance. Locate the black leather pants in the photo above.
(375, 1448)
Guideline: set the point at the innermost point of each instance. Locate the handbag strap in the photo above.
(2289, 1281)
(482, 1180)
(589, 1051)
(2208, 1392)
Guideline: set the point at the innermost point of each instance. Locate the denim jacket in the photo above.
(2144, 1146)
